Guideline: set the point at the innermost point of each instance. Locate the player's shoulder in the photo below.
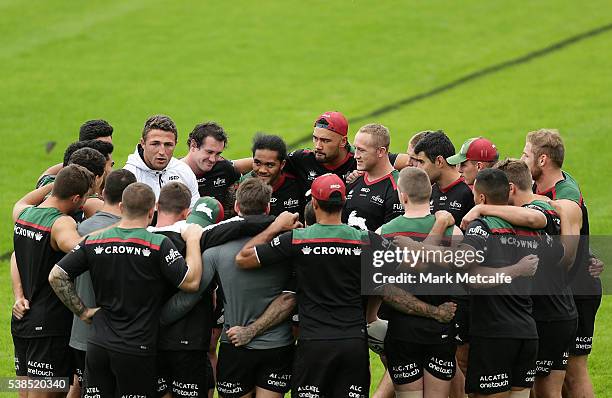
(301, 154)
(568, 188)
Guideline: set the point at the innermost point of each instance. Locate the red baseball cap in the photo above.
(324, 187)
(477, 149)
(333, 121)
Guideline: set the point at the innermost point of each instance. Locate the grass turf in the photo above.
(273, 67)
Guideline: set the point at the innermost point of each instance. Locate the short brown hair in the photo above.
(72, 180)
(174, 198)
(115, 183)
(416, 138)
(137, 200)
(253, 196)
(517, 172)
(159, 122)
(547, 142)
(380, 134)
(415, 183)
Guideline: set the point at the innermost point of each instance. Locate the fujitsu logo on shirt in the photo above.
(377, 199)
(219, 182)
(172, 256)
(291, 202)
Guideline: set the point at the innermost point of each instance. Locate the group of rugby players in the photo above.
(126, 280)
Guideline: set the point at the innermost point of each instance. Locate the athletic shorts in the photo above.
(115, 374)
(43, 357)
(407, 361)
(462, 322)
(183, 373)
(587, 309)
(496, 365)
(240, 370)
(556, 337)
(331, 368)
(78, 363)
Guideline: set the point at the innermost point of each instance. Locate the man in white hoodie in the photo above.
(153, 164)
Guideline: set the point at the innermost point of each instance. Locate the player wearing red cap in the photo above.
(475, 154)
(331, 152)
(327, 260)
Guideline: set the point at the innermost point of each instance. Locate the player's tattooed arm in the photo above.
(278, 310)
(405, 302)
(65, 290)
(525, 267)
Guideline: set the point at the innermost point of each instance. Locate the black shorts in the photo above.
(587, 309)
(111, 374)
(556, 337)
(496, 365)
(462, 322)
(407, 361)
(240, 370)
(331, 368)
(183, 373)
(43, 357)
(78, 363)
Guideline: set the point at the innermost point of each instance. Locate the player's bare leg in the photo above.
(410, 390)
(434, 387)
(577, 381)
(549, 386)
(385, 387)
(263, 393)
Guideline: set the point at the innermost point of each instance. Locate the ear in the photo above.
(402, 197)
(185, 213)
(542, 160)
(479, 166)
(121, 207)
(343, 141)
(440, 161)
(283, 163)
(151, 214)
(512, 188)
(236, 207)
(142, 141)
(315, 204)
(268, 208)
(382, 151)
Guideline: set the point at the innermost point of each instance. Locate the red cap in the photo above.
(333, 121)
(324, 187)
(477, 149)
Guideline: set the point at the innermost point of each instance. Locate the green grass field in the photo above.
(274, 66)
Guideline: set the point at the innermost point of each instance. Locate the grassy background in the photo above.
(272, 66)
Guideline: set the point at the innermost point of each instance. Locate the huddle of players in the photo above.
(419, 345)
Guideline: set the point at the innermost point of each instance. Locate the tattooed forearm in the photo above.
(277, 311)
(64, 288)
(405, 302)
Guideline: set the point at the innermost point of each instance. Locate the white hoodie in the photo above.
(174, 171)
